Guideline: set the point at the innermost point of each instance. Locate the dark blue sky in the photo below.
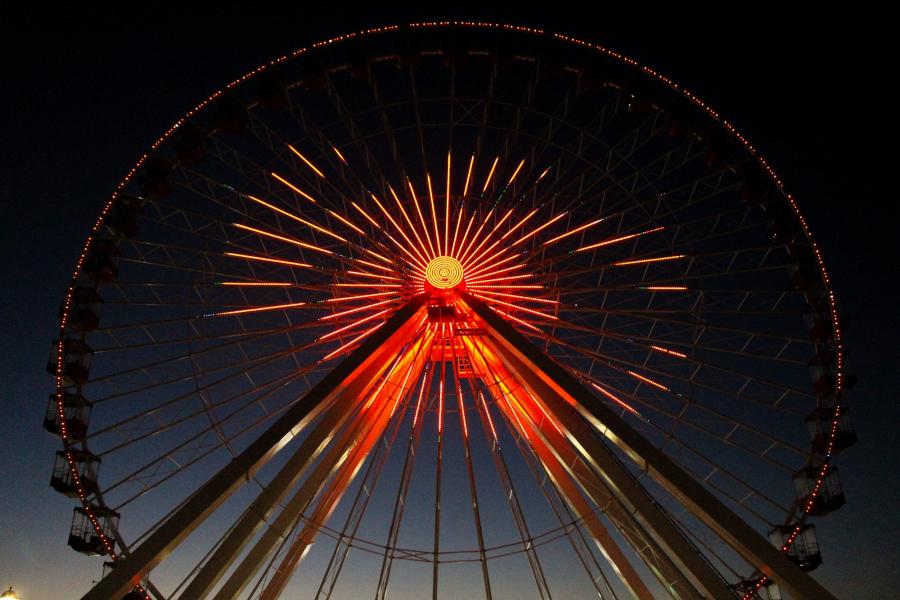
(87, 92)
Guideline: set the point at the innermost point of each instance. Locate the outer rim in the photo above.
(804, 510)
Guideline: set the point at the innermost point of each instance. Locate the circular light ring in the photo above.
(444, 272)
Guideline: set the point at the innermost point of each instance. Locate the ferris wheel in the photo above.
(450, 309)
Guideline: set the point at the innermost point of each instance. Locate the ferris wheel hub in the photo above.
(444, 273)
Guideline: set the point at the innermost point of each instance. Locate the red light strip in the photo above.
(356, 310)
(517, 320)
(354, 324)
(421, 396)
(648, 380)
(617, 400)
(350, 343)
(545, 413)
(489, 419)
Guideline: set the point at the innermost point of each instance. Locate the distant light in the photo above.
(9, 595)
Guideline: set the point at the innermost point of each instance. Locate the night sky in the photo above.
(87, 91)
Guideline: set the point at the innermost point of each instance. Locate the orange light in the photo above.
(493, 272)
(350, 343)
(462, 242)
(339, 155)
(421, 396)
(355, 310)
(255, 283)
(294, 187)
(525, 298)
(516, 172)
(376, 255)
(242, 311)
(479, 286)
(487, 181)
(295, 217)
(643, 261)
(618, 401)
(408, 221)
(520, 223)
(441, 393)
(648, 380)
(398, 228)
(489, 263)
(515, 306)
(478, 231)
(491, 279)
(517, 320)
(447, 209)
(282, 238)
(360, 296)
(354, 324)
(488, 414)
(616, 240)
(345, 222)
(373, 265)
(664, 288)
(459, 219)
(289, 263)
(469, 175)
(487, 237)
(434, 219)
(421, 218)
(536, 231)
(667, 351)
(306, 160)
(365, 214)
(375, 275)
(544, 174)
(573, 231)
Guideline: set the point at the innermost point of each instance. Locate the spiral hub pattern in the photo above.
(444, 272)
